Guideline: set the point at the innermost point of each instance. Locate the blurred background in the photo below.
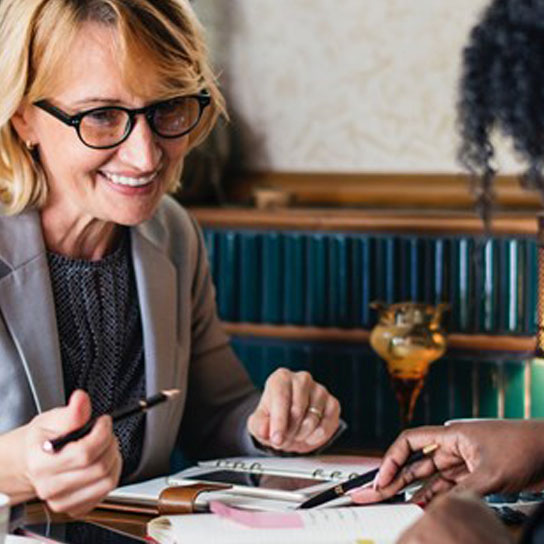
(335, 183)
(348, 90)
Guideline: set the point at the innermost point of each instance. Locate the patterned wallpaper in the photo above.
(350, 86)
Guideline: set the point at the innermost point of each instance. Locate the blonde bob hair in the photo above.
(36, 36)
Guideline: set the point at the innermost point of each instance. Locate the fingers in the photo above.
(295, 413)
(68, 483)
(75, 458)
(480, 482)
(303, 387)
(394, 474)
(464, 460)
(317, 415)
(81, 453)
(258, 425)
(88, 486)
(75, 414)
(79, 406)
(437, 482)
(283, 407)
(377, 494)
(446, 456)
(435, 486)
(396, 456)
(75, 478)
(367, 495)
(314, 413)
(328, 424)
(280, 397)
(270, 420)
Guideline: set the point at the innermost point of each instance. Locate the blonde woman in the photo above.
(105, 292)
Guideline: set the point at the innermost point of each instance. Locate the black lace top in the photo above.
(100, 331)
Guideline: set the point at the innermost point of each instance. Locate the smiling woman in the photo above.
(104, 282)
(125, 44)
(117, 183)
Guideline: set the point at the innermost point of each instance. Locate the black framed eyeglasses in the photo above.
(108, 126)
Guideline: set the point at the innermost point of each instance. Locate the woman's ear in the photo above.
(23, 124)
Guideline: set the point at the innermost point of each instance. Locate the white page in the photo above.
(141, 493)
(381, 524)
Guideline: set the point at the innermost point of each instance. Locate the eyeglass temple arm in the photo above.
(59, 114)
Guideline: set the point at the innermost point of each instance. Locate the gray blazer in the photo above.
(184, 345)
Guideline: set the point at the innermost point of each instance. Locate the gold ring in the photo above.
(316, 412)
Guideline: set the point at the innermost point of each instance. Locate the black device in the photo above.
(77, 532)
(256, 480)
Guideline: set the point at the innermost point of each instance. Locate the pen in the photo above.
(341, 489)
(118, 415)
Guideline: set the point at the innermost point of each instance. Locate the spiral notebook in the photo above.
(144, 496)
(326, 467)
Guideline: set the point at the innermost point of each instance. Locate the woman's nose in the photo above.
(141, 150)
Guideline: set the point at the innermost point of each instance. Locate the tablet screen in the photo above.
(263, 481)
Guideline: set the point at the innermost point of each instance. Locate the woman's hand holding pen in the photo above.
(483, 457)
(74, 479)
(295, 413)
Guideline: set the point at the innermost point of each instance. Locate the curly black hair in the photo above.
(502, 87)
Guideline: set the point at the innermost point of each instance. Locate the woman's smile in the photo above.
(129, 184)
(130, 180)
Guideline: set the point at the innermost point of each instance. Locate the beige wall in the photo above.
(348, 86)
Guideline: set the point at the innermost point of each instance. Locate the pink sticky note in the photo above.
(260, 520)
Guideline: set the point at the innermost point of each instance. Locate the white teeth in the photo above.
(131, 182)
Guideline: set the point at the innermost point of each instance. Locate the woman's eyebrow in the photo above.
(96, 99)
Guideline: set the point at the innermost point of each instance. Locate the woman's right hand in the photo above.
(74, 479)
(483, 457)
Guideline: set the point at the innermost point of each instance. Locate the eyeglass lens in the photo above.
(107, 126)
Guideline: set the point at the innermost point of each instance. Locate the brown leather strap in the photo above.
(181, 499)
(134, 508)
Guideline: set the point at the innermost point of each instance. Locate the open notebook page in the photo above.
(330, 467)
(379, 524)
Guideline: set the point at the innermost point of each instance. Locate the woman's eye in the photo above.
(105, 117)
(172, 107)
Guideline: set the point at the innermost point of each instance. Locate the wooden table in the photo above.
(123, 522)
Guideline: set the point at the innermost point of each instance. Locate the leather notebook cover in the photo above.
(172, 500)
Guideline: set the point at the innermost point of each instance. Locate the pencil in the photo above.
(118, 415)
(341, 489)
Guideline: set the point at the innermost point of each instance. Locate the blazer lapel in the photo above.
(157, 295)
(27, 304)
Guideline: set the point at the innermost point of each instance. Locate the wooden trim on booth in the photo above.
(362, 220)
(381, 190)
(465, 342)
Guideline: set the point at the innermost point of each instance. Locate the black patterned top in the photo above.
(100, 332)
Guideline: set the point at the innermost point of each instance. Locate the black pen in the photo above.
(137, 407)
(341, 489)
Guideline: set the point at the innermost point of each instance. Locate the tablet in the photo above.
(273, 486)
